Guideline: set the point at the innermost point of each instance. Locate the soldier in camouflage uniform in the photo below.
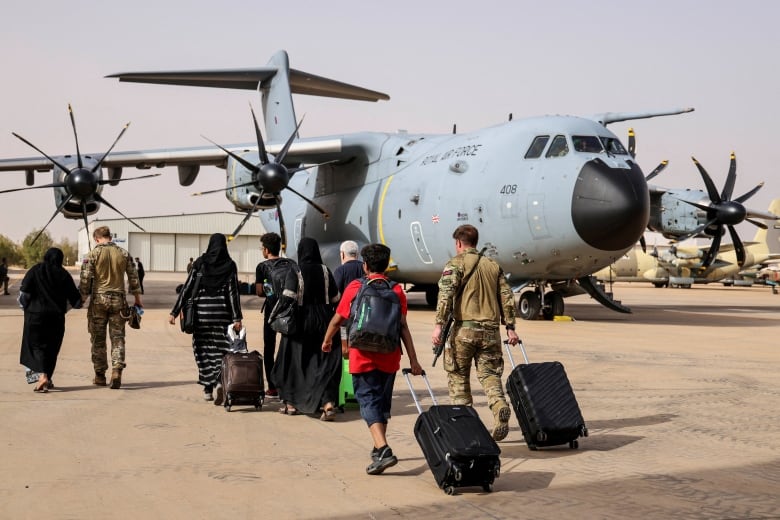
(485, 302)
(102, 280)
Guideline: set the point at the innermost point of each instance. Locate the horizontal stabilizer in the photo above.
(250, 79)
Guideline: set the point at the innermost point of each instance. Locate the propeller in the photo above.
(723, 211)
(80, 183)
(270, 177)
(658, 169)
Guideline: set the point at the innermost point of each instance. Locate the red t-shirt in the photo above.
(360, 360)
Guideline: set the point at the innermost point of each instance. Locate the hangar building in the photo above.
(169, 241)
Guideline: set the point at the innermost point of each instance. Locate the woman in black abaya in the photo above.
(217, 305)
(307, 378)
(45, 293)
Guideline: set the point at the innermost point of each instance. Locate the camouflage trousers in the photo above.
(481, 345)
(104, 312)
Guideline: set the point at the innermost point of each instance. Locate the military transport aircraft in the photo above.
(555, 197)
(77, 181)
(680, 266)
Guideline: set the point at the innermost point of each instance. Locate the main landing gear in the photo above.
(532, 303)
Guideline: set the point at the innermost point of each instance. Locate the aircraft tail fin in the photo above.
(275, 82)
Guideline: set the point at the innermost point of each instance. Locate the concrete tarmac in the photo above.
(681, 399)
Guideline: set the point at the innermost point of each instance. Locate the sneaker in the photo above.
(375, 454)
(501, 427)
(99, 379)
(384, 459)
(219, 399)
(207, 393)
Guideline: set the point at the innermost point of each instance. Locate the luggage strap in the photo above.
(509, 352)
(406, 372)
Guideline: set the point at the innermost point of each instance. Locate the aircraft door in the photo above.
(537, 221)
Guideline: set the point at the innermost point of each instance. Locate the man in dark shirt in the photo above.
(350, 269)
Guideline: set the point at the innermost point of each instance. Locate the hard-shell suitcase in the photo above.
(457, 446)
(242, 379)
(544, 403)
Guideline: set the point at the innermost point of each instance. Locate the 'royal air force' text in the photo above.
(461, 151)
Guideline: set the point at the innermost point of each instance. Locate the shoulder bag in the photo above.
(188, 313)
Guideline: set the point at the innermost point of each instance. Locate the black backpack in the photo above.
(375, 317)
(277, 275)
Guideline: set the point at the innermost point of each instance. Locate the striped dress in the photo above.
(213, 315)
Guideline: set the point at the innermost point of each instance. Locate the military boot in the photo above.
(100, 379)
(116, 379)
(501, 415)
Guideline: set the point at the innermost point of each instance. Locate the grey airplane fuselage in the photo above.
(543, 218)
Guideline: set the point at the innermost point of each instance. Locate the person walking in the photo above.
(350, 268)
(306, 377)
(373, 373)
(44, 294)
(103, 282)
(217, 305)
(141, 273)
(270, 275)
(4, 279)
(473, 288)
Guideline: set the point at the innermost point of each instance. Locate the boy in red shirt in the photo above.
(373, 373)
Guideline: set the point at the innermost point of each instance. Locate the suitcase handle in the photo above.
(406, 372)
(509, 352)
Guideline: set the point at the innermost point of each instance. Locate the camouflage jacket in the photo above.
(486, 297)
(104, 271)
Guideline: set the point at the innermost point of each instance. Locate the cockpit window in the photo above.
(613, 146)
(559, 147)
(537, 147)
(587, 144)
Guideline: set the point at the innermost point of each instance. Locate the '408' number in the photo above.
(508, 189)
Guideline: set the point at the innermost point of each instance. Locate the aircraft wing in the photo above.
(311, 151)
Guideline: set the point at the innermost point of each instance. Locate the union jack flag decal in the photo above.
(435, 219)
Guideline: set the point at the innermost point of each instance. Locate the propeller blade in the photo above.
(643, 244)
(86, 222)
(738, 247)
(631, 142)
(311, 202)
(260, 143)
(762, 214)
(746, 196)
(107, 181)
(712, 252)
(251, 212)
(697, 230)
(57, 185)
(75, 135)
(28, 143)
(282, 229)
(56, 212)
(658, 169)
(246, 164)
(757, 223)
(696, 204)
(731, 179)
(100, 162)
(283, 153)
(99, 198)
(712, 191)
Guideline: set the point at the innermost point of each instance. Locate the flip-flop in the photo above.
(328, 415)
(41, 389)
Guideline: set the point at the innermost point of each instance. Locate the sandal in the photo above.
(288, 410)
(328, 413)
(42, 389)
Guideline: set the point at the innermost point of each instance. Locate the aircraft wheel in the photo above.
(529, 305)
(553, 305)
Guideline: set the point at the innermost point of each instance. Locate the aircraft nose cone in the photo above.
(611, 206)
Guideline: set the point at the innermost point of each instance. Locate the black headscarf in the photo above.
(310, 265)
(49, 282)
(215, 264)
(309, 252)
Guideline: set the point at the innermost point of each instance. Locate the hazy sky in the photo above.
(464, 62)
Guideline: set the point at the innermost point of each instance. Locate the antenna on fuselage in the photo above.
(510, 116)
(454, 128)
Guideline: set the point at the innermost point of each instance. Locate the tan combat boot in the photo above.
(100, 379)
(116, 379)
(501, 415)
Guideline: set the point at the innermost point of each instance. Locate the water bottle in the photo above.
(267, 288)
(139, 310)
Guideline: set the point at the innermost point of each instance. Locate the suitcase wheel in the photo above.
(583, 431)
(450, 490)
(487, 487)
(574, 444)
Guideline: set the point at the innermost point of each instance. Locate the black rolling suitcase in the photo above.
(242, 379)
(544, 403)
(457, 446)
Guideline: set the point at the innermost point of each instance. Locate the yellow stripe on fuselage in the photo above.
(380, 210)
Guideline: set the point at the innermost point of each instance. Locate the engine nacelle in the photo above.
(671, 216)
(240, 191)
